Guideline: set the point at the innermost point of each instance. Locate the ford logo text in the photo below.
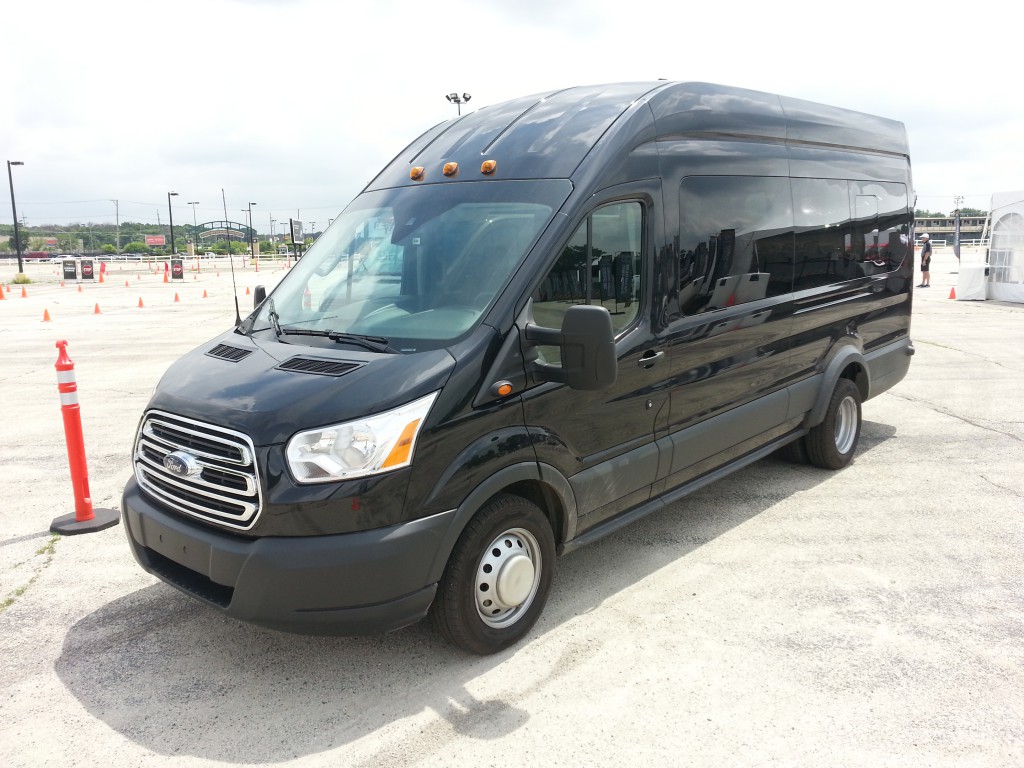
(182, 464)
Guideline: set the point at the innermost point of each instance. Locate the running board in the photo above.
(620, 522)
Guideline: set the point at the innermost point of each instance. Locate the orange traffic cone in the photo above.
(165, 277)
(79, 287)
(176, 297)
(247, 291)
(61, 283)
(952, 292)
(204, 294)
(141, 305)
(125, 283)
(2, 297)
(101, 277)
(24, 293)
(96, 310)
(46, 315)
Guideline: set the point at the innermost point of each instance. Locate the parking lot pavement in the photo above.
(783, 616)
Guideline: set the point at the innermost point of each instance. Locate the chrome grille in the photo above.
(222, 485)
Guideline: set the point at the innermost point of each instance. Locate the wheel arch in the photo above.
(847, 363)
(539, 484)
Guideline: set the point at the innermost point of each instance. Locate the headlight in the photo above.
(370, 446)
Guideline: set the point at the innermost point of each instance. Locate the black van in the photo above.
(540, 322)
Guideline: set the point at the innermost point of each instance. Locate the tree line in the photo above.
(103, 238)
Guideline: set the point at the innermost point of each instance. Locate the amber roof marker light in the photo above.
(450, 169)
(488, 167)
(416, 172)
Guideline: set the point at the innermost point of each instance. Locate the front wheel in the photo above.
(498, 577)
(832, 443)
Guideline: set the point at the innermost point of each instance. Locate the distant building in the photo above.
(941, 227)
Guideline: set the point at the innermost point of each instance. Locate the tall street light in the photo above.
(457, 100)
(14, 211)
(171, 214)
(117, 222)
(195, 226)
(252, 247)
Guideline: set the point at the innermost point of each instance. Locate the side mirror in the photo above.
(587, 342)
(258, 295)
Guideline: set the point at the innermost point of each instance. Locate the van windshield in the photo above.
(415, 266)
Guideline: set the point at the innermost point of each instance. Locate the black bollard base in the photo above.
(102, 518)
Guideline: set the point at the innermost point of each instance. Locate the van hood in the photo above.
(270, 390)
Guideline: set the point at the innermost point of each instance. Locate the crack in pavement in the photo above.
(953, 414)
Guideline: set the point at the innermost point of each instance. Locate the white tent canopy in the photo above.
(1006, 253)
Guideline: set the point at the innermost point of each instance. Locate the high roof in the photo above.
(549, 135)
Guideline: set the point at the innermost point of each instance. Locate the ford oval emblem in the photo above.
(182, 464)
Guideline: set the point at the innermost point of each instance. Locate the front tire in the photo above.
(832, 443)
(498, 577)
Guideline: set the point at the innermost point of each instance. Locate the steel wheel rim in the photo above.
(846, 425)
(507, 578)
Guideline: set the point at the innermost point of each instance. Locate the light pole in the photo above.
(195, 226)
(14, 211)
(117, 222)
(252, 247)
(171, 214)
(457, 100)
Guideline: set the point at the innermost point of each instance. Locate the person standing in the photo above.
(926, 261)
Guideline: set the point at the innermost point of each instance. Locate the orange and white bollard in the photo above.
(84, 519)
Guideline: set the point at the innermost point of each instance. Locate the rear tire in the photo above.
(498, 577)
(832, 443)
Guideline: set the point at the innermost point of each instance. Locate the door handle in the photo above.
(650, 359)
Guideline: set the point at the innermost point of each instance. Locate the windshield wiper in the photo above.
(274, 318)
(372, 343)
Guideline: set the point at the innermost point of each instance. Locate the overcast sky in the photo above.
(294, 105)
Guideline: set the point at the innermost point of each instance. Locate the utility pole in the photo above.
(14, 212)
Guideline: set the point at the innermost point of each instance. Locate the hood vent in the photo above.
(320, 367)
(227, 352)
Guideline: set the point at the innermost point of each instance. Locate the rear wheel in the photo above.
(498, 577)
(832, 443)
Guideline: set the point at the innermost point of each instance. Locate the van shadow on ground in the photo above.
(177, 678)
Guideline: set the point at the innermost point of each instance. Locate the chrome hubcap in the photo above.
(846, 425)
(507, 577)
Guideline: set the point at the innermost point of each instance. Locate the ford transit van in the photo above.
(540, 322)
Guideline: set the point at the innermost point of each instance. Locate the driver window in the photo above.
(599, 265)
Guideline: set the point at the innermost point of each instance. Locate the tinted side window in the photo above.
(735, 241)
(824, 248)
(601, 264)
(881, 225)
(848, 229)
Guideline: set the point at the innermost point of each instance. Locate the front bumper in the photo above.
(347, 584)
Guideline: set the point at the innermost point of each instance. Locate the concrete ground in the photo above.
(784, 616)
